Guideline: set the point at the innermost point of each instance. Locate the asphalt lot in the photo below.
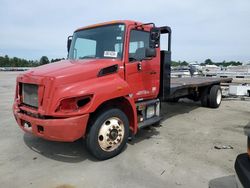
(178, 153)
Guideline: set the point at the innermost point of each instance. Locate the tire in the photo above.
(215, 96)
(205, 97)
(108, 134)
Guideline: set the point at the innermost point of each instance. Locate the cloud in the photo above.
(201, 29)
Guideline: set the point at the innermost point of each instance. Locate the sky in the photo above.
(215, 29)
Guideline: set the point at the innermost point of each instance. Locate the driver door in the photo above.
(141, 72)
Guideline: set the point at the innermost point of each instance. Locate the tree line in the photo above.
(6, 61)
(208, 62)
(223, 63)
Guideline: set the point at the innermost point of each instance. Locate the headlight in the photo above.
(73, 104)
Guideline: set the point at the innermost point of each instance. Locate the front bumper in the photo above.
(242, 169)
(63, 129)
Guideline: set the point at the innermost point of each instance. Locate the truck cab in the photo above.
(109, 87)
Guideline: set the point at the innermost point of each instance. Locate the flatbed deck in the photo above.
(181, 86)
(178, 83)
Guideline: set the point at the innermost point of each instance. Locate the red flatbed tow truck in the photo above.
(111, 85)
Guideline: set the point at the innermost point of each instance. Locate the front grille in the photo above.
(30, 95)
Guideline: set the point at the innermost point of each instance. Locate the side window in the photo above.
(86, 48)
(139, 41)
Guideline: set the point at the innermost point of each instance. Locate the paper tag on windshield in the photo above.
(110, 54)
(122, 27)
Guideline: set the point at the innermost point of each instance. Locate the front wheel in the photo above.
(108, 134)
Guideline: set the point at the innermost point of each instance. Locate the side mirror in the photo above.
(155, 34)
(150, 52)
(69, 43)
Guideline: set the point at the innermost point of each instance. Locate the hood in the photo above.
(72, 70)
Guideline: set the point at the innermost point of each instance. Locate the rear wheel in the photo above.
(108, 134)
(215, 96)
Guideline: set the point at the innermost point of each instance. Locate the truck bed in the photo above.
(180, 86)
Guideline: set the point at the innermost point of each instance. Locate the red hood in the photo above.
(72, 70)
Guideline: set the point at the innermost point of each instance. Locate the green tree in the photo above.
(44, 60)
(179, 63)
(208, 62)
(175, 63)
(184, 63)
(57, 59)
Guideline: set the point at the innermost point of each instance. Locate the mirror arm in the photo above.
(169, 41)
(69, 42)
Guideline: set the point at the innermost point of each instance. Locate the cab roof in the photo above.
(126, 22)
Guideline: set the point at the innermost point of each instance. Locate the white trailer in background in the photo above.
(239, 90)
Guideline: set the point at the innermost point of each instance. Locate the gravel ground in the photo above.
(177, 153)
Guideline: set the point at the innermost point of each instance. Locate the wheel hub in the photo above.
(219, 96)
(111, 134)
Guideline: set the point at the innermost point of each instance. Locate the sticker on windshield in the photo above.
(110, 54)
(121, 27)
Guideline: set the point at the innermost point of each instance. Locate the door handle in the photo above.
(152, 72)
(139, 67)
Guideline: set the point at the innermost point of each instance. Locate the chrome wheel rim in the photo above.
(219, 96)
(111, 134)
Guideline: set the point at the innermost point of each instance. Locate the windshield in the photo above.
(100, 42)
